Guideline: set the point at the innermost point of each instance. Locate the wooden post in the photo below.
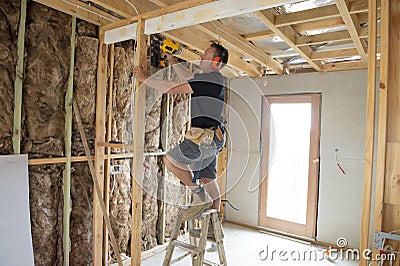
(164, 139)
(108, 138)
(99, 150)
(382, 119)
(68, 144)
(19, 77)
(138, 150)
(370, 129)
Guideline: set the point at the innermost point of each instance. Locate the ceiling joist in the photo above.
(268, 19)
(353, 26)
(334, 54)
(233, 41)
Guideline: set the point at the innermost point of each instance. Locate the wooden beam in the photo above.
(68, 151)
(208, 12)
(19, 78)
(108, 138)
(341, 66)
(382, 117)
(236, 42)
(137, 164)
(323, 38)
(334, 54)
(310, 15)
(99, 150)
(258, 35)
(268, 19)
(361, 6)
(80, 10)
(353, 27)
(155, 13)
(370, 130)
(74, 159)
(318, 25)
(96, 184)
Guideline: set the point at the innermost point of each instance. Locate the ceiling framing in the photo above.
(342, 24)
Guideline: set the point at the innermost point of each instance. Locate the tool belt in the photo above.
(204, 135)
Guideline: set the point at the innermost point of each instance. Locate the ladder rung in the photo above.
(210, 263)
(186, 246)
(180, 258)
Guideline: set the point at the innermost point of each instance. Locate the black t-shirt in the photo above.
(207, 102)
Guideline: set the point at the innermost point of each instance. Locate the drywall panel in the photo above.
(15, 226)
(342, 127)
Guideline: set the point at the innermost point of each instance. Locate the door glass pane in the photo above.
(288, 175)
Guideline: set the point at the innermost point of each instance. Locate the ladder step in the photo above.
(185, 246)
(210, 263)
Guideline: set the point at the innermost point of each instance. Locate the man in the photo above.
(195, 157)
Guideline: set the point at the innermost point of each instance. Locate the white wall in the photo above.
(342, 127)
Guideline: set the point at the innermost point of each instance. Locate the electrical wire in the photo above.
(88, 10)
(134, 8)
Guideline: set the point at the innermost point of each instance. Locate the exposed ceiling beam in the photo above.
(80, 10)
(234, 41)
(152, 13)
(314, 14)
(318, 25)
(340, 66)
(353, 27)
(323, 38)
(361, 6)
(258, 35)
(334, 54)
(319, 13)
(208, 12)
(268, 19)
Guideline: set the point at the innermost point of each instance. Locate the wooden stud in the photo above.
(138, 150)
(96, 184)
(370, 129)
(68, 145)
(164, 141)
(382, 118)
(108, 149)
(268, 19)
(75, 159)
(99, 150)
(353, 27)
(19, 78)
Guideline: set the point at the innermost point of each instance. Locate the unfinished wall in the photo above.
(44, 87)
(47, 59)
(9, 19)
(342, 127)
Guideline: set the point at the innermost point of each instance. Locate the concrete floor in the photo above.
(244, 246)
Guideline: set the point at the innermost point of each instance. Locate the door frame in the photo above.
(309, 229)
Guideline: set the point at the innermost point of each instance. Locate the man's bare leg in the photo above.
(212, 189)
(181, 171)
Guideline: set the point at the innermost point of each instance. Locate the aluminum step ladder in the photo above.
(197, 245)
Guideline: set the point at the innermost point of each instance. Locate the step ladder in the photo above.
(197, 246)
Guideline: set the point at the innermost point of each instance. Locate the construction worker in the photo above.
(195, 157)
